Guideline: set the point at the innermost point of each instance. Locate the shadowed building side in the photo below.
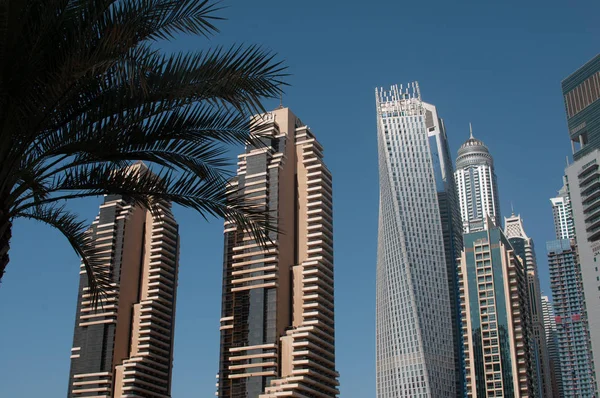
(125, 348)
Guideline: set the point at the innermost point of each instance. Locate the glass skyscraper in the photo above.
(415, 346)
(476, 184)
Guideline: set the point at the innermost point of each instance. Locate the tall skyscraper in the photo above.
(552, 344)
(576, 364)
(581, 92)
(477, 186)
(561, 211)
(443, 172)
(414, 313)
(125, 347)
(496, 323)
(277, 325)
(523, 246)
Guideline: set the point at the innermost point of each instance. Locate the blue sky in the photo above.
(497, 65)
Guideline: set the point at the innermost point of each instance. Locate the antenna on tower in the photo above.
(280, 98)
(470, 130)
(512, 208)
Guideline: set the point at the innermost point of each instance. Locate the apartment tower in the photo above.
(124, 348)
(552, 344)
(414, 339)
(523, 246)
(277, 324)
(476, 184)
(581, 91)
(495, 316)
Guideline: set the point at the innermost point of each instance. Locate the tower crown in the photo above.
(472, 152)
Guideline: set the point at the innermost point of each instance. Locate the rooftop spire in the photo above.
(470, 130)
(512, 208)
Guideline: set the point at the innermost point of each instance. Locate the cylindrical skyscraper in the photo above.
(476, 185)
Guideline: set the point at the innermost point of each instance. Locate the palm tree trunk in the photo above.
(5, 234)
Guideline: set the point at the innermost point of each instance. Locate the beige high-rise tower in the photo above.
(125, 347)
(277, 325)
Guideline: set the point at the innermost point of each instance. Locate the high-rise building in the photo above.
(443, 172)
(277, 324)
(476, 184)
(552, 344)
(496, 323)
(523, 247)
(576, 365)
(125, 347)
(414, 341)
(561, 211)
(581, 92)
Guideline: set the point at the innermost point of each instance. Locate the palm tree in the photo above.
(85, 93)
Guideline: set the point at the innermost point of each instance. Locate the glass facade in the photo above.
(415, 347)
(581, 92)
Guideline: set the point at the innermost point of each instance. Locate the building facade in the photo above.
(125, 347)
(414, 343)
(277, 324)
(524, 248)
(477, 185)
(496, 324)
(572, 332)
(564, 226)
(581, 91)
(552, 344)
(449, 207)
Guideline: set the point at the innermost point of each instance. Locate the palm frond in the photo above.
(77, 234)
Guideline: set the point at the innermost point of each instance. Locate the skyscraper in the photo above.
(561, 211)
(552, 344)
(277, 324)
(523, 246)
(581, 92)
(125, 347)
(496, 323)
(443, 172)
(476, 184)
(572, 331)
(414, 313)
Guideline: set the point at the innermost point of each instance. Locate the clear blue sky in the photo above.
(498, 66)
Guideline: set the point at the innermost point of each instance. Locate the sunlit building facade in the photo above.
(524, 248)
(552, 344)
(476, 185)
(277, 325)
(495, 317)
(581, 91)
(414, 339)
